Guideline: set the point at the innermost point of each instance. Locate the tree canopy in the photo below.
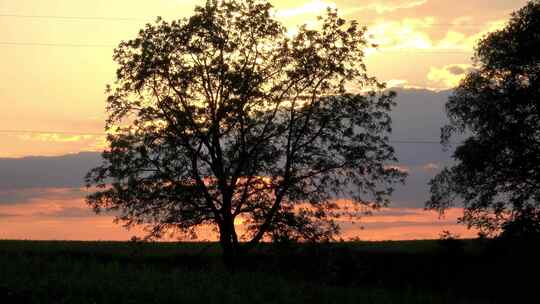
(224, 117)
(497, 106)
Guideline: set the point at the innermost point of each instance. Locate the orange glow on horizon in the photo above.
(71, 219)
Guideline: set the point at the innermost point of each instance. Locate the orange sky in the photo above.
(62, 215)
(56, 60)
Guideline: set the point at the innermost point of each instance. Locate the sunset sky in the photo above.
(56, 60)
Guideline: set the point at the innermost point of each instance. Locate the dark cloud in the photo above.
(27, 195)
(418, 116)
(65, 171)
(405, 224)
(456, 70)
(397, 212)
(70, 212)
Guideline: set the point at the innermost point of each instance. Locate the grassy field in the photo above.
(360, 272)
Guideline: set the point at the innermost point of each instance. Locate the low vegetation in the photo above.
(478, 271)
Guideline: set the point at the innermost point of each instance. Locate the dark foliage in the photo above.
(497, 170)
(450, 244)
(223, 117)
(384, 272)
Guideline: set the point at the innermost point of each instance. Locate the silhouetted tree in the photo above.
(224, 117)
(497, 105)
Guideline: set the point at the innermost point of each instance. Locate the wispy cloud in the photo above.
(406, 223)
(312, 7)
(58, 138)
(431, 167)
(422, 34)
(407, 33)
(28, 195)
(381, 7)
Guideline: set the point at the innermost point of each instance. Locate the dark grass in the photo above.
(360, 272)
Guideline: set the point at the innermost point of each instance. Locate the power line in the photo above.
(42, 132)
(84, 18)
(115, 18)
(48, 44)
(421, 51)
(85, 45)
(419, 142)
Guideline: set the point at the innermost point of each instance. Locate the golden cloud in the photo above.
(315, 7)
(459, 40)
(54, 137)
(420, 33)
(381, 7)
(407, 33)
(396, 83)
(50, 144)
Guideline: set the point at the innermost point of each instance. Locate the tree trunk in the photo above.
(229, 245)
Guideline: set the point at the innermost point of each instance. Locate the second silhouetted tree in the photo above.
(497, 170)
